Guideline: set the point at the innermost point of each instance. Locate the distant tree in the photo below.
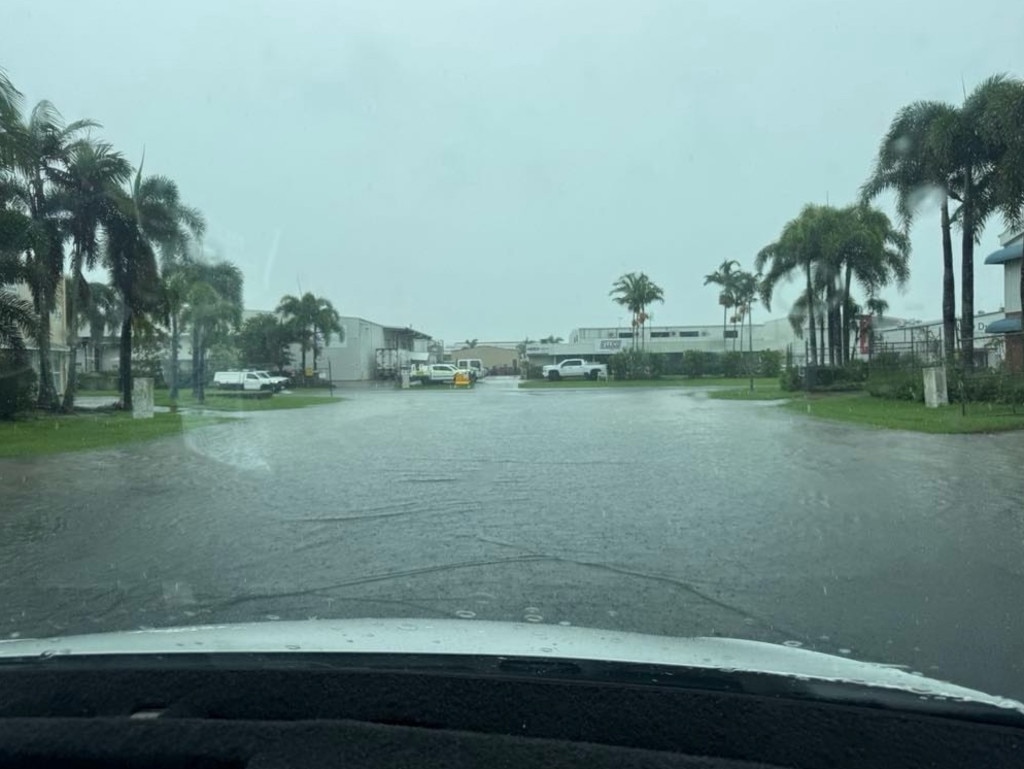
(636, 292)
(724, 277)
(551, 339)
(470, 343)
(264, 340)
(311, 317)
(522, 346)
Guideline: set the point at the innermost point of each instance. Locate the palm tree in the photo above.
(724, 277)
(148, 218)
(745, 287)
(979, 153)
(86, 190)
(636, 292)
(799, 248)
(913, 158)
(213, 306)
(861, 245)
(551, 339)
(310, 316)
(17, 317)
(37, 150)
(470, 343)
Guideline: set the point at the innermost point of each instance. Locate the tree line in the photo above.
(970, 157)
(71, 204)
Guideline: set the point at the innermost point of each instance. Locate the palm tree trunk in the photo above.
(125, 372)
(68, 404)
(175, 345)
(810, 317)
(967, 275)
(195, 360)
(47, 394)
(201, 374)
(948, 287)
(725, 342)
(847, 321)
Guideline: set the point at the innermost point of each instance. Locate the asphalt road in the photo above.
(655, 511)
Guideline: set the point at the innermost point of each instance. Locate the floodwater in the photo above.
(652, 510)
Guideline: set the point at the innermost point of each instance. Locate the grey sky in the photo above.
(486, 169)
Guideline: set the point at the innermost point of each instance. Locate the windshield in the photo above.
(691, 319)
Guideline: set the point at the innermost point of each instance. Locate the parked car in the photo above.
(242, 380)
(437, 373)
(474, 366)
(575, 367)
(279, 382)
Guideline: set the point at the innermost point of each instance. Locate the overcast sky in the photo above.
(487, 169)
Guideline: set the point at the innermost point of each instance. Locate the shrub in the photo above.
(693, 363)
(770, 363)
(635, 364)
(17, 385)
(790, 379)
(733, 364)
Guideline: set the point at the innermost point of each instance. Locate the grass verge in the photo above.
(48, 434)
(665, 381)
(907, 415)
(219, 401)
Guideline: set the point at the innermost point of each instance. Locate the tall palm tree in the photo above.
(213, 306)
(149, 219)
(861, 245)
(799, 248)
(745, 289)
(38, 148)
(636, 292)
(310, 316)
(724, 277)
(86, 191)
(979, 153)
(914, 157)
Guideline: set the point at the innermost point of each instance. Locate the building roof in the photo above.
(1006, 254)
(1004, 326)
(409, 330)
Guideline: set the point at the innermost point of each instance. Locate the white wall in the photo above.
(1011, 287)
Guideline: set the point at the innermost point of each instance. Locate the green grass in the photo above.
(768, 390)
(907, 415)
(221, 401)
(43, 435)
(218, 401)
(665, 381)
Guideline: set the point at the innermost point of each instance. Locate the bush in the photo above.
(770, 363)
(694, 363)
(733, 364)
(790, 379)
(635, 364)
(17, 386)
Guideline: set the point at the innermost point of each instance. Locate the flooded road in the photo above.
(653, 510)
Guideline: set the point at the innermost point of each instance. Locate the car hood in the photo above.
(501, 639)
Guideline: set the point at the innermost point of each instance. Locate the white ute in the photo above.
(575, 367)
(242, 380)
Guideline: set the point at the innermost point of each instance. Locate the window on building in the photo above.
(689, 333)
(660, 334)
(625, 335)
(731, 333)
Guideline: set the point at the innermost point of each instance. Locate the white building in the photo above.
(1009, 325)
(352, 355)
(602, 341)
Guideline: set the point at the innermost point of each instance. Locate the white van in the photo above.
(474, 366)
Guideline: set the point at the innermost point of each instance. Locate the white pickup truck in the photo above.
(243, 380)
(575, 367)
